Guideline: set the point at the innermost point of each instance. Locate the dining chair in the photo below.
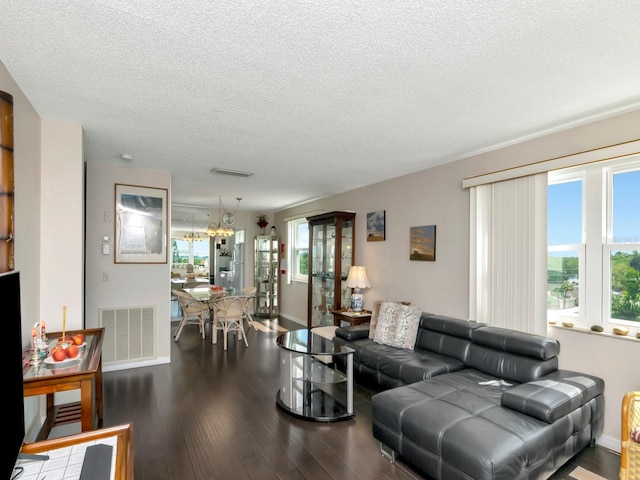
(250, 293)
(630, 441)
(228, 316)
(194, 312)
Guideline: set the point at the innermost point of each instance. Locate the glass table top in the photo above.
(305, 341)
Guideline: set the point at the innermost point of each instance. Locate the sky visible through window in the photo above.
(564, 210)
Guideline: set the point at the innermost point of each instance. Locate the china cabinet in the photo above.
(266, 269)
(331, 253)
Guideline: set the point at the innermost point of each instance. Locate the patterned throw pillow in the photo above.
(375, 313)
(397, 325)
(635, 434)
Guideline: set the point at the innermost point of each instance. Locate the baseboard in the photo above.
(610, 443)
(294, 319)
(112, 367)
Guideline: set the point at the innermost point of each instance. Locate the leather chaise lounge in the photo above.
(472, 401)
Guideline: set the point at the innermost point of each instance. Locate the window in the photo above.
(195, 253)
(594, 244)
(299, 251)
(566, 248)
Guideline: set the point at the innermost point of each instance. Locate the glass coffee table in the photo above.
(311, 387)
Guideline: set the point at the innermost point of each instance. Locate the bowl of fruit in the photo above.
(64, 352)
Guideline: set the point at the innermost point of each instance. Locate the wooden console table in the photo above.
(121, 436)
(349, 316)
(86, 375)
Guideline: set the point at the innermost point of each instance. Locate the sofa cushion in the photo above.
(353, 332)
(512, 355)
(445, 335)
(397, 325)
(554, 396)
(452, 426)
(404, 365)
(515, 341)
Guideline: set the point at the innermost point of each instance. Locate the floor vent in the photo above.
(129, 333)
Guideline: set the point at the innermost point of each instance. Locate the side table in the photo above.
(351, 317)
(84, 375)
(310, 387)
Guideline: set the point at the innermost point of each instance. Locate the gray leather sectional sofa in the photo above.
(473, 401)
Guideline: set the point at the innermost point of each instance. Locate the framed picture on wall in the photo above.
(422, 243)
(375, 226)
(140, 224)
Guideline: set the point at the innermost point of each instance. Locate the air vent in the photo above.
(226, 171)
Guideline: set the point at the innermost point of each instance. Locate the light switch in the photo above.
(106, 249)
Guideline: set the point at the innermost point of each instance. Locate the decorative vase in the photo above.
(357, 300)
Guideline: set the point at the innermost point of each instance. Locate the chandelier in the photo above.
(223, 228)
(192, 236)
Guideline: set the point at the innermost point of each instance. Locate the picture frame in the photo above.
(141, 226)
(422, 243)
(376, 226)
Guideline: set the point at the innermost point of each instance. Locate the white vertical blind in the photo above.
(509, 253)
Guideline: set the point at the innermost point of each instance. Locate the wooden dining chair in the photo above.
(194, 312)
(228, 316)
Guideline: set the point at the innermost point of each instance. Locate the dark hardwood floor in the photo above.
(212, 414)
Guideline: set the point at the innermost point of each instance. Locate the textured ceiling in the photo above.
(316, 97)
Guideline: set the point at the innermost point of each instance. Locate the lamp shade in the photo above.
(358, 277)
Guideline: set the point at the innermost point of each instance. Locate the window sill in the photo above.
(629, 337)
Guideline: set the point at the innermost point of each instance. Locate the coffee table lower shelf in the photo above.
(316, 405)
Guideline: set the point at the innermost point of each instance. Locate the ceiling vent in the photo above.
(226, 171)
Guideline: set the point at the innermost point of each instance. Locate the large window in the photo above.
(594, 244)
(299, 250)
(195, 253)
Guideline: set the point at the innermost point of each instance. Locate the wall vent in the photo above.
(226, 171)
(129, 333)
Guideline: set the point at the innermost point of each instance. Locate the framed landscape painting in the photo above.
(375, 226)
(140, 224)
(422, 243)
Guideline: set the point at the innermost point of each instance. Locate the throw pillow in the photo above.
(374, 316)
(397, 325)
(635, 434)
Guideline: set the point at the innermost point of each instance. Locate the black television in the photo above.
(13, 428)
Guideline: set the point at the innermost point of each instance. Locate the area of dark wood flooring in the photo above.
(211, 414)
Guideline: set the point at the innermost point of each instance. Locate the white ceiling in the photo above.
(316, 97)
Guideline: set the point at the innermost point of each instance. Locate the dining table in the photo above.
(208, 295)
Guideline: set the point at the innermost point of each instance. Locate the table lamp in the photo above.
(357, 280)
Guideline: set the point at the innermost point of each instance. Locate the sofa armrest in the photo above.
(353, 332)
(554, 396)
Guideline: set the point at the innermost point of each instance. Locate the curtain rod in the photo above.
(600, 154)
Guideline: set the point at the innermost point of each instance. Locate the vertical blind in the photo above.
(509, 253)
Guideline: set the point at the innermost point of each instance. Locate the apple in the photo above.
(71, 351)
(78, 339)
(58, 354)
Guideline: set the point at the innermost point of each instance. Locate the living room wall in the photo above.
(429, 197)
(49, 225)
(435, 197)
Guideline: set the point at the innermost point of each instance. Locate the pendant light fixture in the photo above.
(192, 237)
(225, 221)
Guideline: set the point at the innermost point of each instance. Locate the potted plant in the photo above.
(262, 222)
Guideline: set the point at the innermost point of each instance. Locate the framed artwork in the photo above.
(422, 243)
(140, 224)
(375, 226)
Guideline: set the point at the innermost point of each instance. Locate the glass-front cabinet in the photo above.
(331, 253)
(266, 259)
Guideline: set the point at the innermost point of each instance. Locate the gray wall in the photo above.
(436, 197)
